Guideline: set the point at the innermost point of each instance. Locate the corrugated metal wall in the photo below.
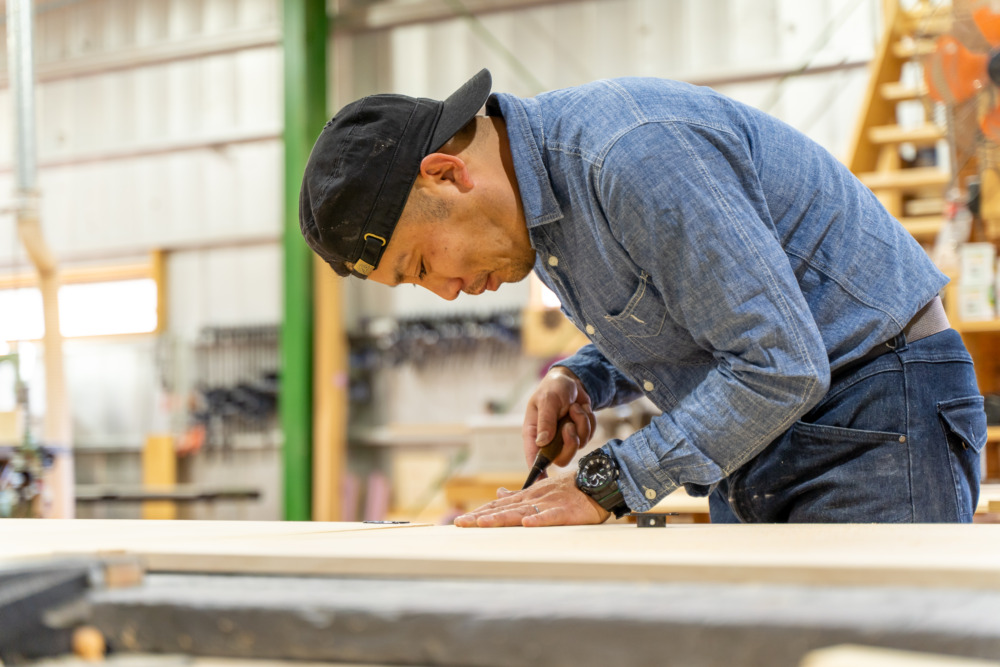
(159, 120)
(153, 130)
(159, 125)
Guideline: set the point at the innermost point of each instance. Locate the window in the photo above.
(100, 309)
(92, 302)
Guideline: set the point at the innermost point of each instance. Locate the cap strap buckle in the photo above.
(369, 254)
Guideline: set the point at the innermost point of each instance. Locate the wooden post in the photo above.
(158, 272)
(159, 469)
(884, 68)
(330, 404)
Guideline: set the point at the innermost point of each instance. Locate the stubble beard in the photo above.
(513, 273)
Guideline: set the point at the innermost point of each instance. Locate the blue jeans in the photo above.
(895, 440)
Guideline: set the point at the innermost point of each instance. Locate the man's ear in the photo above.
(444, 169)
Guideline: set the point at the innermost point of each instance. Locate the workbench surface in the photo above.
(697, 595)
(853, 554)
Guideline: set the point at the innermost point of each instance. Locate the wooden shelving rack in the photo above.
(915, 193)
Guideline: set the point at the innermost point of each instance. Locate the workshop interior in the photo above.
(215, 451)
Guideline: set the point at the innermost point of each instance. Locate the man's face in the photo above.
(467, 251)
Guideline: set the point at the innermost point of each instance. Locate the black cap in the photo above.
(363, 166)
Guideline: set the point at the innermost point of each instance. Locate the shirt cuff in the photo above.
(642, 483)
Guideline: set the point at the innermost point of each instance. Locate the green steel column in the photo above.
(305, 35)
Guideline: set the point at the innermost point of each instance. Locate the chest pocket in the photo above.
(644, 314)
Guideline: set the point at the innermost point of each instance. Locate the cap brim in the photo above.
(461, 106)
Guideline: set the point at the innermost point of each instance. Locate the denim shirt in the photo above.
(719, 261)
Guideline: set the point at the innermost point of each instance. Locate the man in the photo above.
(720, 262)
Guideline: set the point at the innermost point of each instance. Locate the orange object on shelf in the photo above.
(952, 72)
(988, 22)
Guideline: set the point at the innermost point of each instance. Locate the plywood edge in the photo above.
(403, 566)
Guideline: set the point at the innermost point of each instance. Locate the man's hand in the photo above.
(555, 501)
(559, 393)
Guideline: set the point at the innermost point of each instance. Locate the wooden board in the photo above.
(680, 501)
(21, 538)
(989, 499)
(855, 554)
(873, 656)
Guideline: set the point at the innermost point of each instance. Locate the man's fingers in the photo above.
(507, 510)
(559, 393)
(583, 400)
(571, 443)
(554, 516)
(555, 502)
(546, 429)
(585, 422)
(508, 517)
(550, 406)
(506, 500)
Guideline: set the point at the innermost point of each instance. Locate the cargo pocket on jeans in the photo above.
(964, 423)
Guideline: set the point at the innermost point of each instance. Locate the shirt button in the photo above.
(650, 494)
(591, 329)
(648, 386)
(553, 260)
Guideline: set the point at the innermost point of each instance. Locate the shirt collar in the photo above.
(524, 132)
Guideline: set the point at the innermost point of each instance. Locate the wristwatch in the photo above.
(598, 478)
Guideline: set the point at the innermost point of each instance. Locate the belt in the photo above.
(929, 320)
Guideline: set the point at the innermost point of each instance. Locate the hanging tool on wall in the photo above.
(421, 341)
(236, 390)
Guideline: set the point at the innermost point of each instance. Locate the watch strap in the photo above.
(614, 502)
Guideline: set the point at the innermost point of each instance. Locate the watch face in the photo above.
(596, 472)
